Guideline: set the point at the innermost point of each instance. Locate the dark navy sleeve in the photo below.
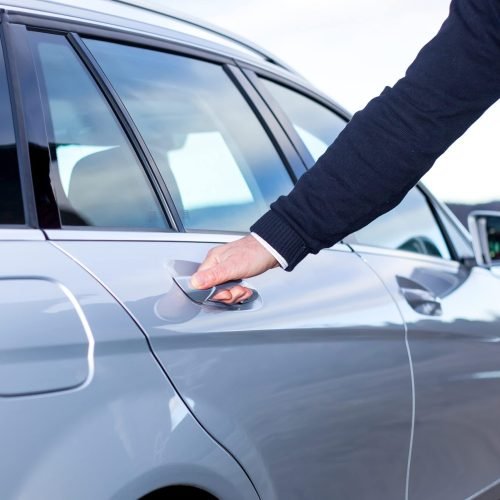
(389, 145)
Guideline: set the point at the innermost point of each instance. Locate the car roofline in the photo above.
(81, 13)
(77, 14)
(212, 28)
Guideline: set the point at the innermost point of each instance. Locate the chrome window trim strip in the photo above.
(401, 254)
(152, 236)
(23, 234)
(112, 235)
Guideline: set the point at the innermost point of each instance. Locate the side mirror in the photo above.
(484, 227)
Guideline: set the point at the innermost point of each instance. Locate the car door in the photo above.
(85, 409)
(308, 386)
(453, 319)
(450, 307)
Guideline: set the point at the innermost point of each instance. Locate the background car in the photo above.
(129, 149)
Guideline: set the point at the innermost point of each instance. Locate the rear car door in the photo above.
(308, 386)
(86, 411)
(450, 307)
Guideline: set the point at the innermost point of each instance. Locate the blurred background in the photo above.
(351, 49)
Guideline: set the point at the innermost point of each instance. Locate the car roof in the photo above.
(166, 24)
(154, 19)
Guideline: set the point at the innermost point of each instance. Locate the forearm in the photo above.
(388, 146)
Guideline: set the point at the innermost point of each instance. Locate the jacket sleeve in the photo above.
(389, 145)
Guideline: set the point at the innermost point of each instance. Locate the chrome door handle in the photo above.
(204, 297)
(421, 299)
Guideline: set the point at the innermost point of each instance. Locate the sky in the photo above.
(352, 49)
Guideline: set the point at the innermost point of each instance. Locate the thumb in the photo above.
(206, 278)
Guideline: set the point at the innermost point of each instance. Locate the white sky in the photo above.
(351, 49)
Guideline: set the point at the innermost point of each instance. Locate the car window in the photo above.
(410, 226)
(11, 203)
(217, 161)
(315, 124)
(97, 177)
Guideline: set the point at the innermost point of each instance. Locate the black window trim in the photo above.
(255, 74)
(281, 142)
(131, 132)
(22, 147)
(91, 29)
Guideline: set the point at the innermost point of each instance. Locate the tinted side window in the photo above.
(410, 226)
(220, 166)
(316, 125)
(11, 203)
(97, 177)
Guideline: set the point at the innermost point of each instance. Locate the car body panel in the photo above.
(456, 364)
(122, 433)
(313, 378)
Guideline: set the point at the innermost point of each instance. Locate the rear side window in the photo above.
(11, 202)
(96, 175)
(216, 159)
(410, 226)
(315, 124)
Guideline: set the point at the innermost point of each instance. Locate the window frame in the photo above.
(74, 31)
(133, 139)
(254, 76)
(22, 148)
(32, 141)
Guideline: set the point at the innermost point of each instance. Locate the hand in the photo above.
(240, 259)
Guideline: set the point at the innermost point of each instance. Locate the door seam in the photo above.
(412, 376)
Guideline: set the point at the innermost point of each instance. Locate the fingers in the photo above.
(211, 259)
(239, 259)
(211, 276)
(233, 295)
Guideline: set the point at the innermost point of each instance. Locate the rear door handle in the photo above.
(420, 298)
(204, 297)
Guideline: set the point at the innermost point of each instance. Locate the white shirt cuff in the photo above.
(281, 261)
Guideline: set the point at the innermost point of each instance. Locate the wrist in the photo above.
(281, 237)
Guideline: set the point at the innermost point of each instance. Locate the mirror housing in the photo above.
(484, 227)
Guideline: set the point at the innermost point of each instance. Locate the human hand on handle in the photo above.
(239, 259)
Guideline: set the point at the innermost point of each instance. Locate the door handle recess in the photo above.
(204, 297)
(421, 299)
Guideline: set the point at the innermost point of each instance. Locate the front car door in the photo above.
(450, 307)
(453, 319)
(309, 386)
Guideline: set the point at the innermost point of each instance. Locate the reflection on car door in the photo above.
(453, 319)
(308, 386)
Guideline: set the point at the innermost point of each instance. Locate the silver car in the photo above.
(132, 142)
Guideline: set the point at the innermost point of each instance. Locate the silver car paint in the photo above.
(456, 362)
(310, 390)
(122, 431)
